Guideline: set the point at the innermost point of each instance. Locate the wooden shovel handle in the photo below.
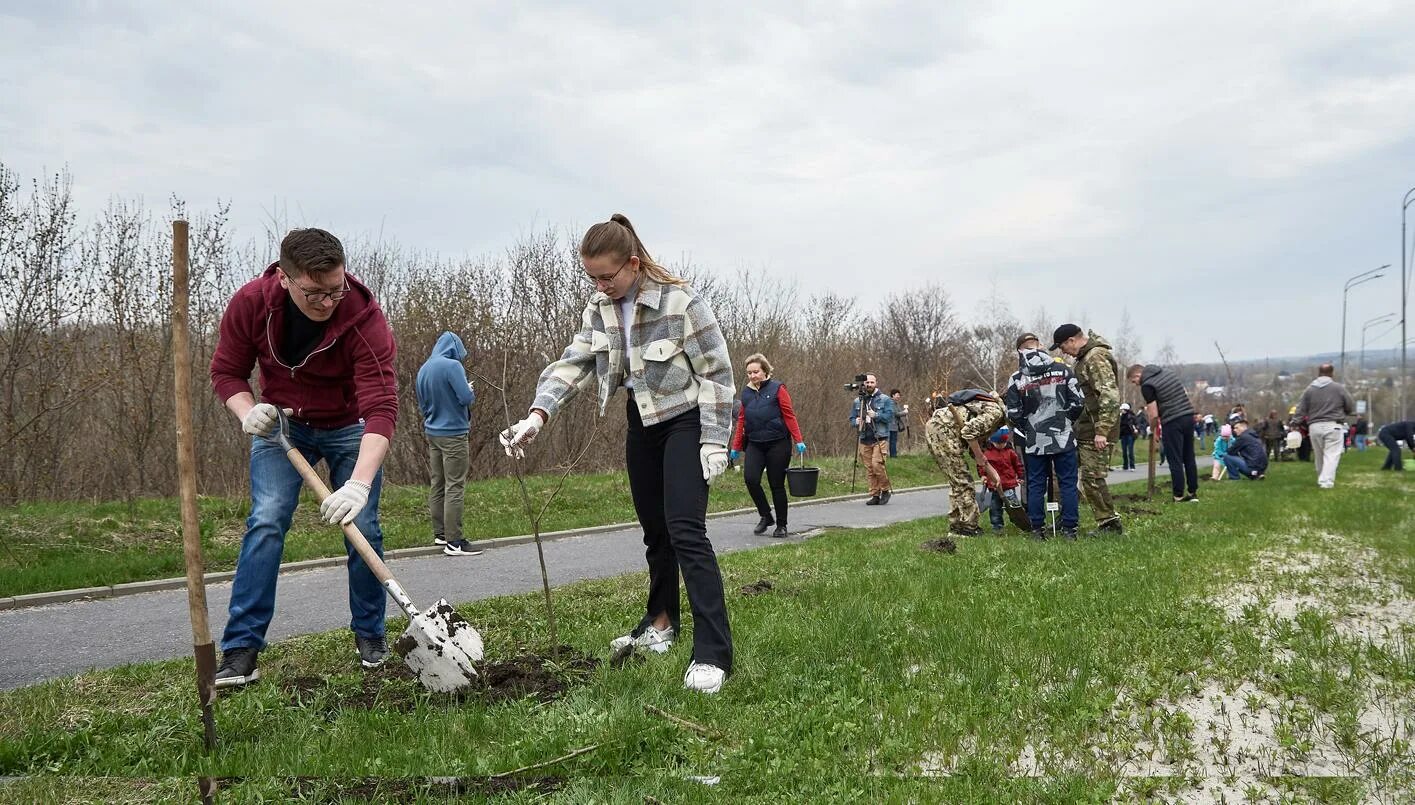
(351, 531)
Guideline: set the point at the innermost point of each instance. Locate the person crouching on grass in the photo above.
(764, 421)
(648, 331)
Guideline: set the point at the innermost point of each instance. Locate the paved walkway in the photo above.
(59, 640)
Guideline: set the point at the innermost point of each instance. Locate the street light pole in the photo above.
(1364, 276)
(1368, 325)
(1404, 298)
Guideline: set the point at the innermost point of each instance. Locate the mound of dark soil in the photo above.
(756, 588)
(940, 545)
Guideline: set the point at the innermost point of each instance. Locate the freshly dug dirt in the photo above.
(407, 789)
(940, 545)
(756, 587)
(393, 686)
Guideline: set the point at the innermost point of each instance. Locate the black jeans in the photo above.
(774, 458)
(671, 497)
(1178, 441)
(1393, 458)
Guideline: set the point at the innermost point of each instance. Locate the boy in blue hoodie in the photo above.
(444, 397)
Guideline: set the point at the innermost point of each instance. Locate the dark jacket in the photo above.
(1127, 424)
(443, 393)
(1271, 429)
(1249, 447)
(765, 416)
(1043, 399)
(1164, 388)
(349, 376)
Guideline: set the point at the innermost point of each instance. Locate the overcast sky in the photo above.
(1217, 170)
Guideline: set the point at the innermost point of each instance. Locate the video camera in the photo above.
(858, 386)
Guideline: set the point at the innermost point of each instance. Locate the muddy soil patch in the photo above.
(757, 587)
(407, 789)
(544, 677)
(940, 545)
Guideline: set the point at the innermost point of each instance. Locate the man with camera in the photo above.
(871, 414)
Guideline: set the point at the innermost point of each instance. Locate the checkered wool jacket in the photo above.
(678, 359)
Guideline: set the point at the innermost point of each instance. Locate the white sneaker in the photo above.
(703, 678)
(658, 641)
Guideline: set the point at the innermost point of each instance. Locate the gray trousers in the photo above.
(448, 457)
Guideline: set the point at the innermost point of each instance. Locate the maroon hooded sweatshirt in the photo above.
(347, 377)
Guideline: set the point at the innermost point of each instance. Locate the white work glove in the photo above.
(262, 419)
(516, 437)
(714, 459)
(346, 503)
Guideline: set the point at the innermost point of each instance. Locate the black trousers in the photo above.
(773, 457)
(1393, 458)
(670, 498)
(1178, 441)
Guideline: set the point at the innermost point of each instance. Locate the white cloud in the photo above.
(1212, 167)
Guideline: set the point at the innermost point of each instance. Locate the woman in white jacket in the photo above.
(648, 331)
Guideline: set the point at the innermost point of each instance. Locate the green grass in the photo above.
(867, 657)
(60, 546)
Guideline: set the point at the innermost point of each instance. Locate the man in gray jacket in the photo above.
(1325, 405)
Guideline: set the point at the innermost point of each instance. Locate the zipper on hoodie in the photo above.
(270, 341)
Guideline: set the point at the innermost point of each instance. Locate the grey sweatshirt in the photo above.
(1326, 401)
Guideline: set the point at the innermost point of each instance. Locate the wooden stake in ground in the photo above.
(1150, 490)
(202, 648)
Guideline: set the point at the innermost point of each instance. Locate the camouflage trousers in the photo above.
(1095, 466)
(948, 450)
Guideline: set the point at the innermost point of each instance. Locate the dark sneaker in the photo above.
(238, 667)
(874, 501)
(461, 548)
(964, 530)
(439, 540)
(780, 532)
(1111, 526)
(762, 525)
(1039, 534)
(885, 496)
(372, 650)
(997, 529)
(1069, 533)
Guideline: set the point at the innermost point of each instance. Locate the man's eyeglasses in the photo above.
(317, 297)
(609, 280)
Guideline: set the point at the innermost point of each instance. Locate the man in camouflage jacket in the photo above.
(1099, 425)
(959, 425)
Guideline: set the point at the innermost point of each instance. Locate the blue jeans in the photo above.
(1039, 468)
(894, 444)
(1127, 452)
(1237, 468)
(1360, 440)
(275, 491)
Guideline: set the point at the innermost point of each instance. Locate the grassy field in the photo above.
(60, 546)
(1256, 646)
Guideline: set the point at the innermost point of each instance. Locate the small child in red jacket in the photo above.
(1003, 458)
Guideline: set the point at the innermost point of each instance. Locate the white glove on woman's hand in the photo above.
(262, 419)
(516, 437)
(346, 503)
(714, 459)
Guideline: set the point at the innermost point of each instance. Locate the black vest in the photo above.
(762, 413)
(1170, 396)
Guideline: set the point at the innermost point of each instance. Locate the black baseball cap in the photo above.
(1062, 333)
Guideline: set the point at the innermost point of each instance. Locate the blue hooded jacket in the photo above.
(443, 393)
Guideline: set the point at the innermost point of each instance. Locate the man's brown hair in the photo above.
(1326, 370)
(310, 251)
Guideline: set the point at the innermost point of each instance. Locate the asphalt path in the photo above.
(46, 642)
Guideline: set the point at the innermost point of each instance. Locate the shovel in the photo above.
(439, 645)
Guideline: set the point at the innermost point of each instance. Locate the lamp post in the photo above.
(1364, 276)
(1368, 325)
(1404, 297)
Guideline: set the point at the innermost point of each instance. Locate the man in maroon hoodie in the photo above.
(325, 354)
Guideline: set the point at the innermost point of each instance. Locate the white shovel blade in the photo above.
(438, 654)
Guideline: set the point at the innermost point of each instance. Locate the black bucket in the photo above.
(801, 481)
